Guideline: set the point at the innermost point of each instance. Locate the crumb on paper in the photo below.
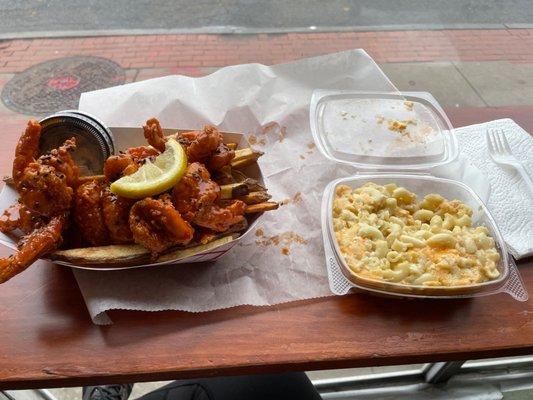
(262, 141)
(380, 119)
(408, 105)
(311, 145)
(282, 133)
(285, 251)
(297, 198)
(344, 113)
(252, 140)
(302, 156)
(369, 140)
(270, 126)
(287, 239)
(259, 232)
(275, 127)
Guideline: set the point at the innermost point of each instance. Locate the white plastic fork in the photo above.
(501, 153)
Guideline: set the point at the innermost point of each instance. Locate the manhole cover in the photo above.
(57, 84)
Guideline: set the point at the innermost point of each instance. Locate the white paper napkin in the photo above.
(510, 201)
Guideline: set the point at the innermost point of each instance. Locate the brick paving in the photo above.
(188, 54)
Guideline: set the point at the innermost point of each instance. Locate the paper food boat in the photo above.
(130, 256)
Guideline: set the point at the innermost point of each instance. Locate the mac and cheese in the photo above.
(384, 234)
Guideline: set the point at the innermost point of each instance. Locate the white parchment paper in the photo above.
(270, 104)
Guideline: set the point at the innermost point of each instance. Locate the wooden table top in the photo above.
(48, 340)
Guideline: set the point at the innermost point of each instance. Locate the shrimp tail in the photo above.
(27, 149)
(38, 243)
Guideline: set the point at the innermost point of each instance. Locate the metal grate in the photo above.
(57, 84)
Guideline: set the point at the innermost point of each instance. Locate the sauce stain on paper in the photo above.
(274, 128)
(286, 239)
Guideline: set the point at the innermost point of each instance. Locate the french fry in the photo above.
(124, 256)
(261, 207)
(180, 254)
(243, 153)
(253, 185)
(237, 175)
(255, 197)
(112, 256)
(244, 162)
(84, 179)
(233, 190)
(245, 157)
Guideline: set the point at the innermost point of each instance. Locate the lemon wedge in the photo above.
(154, 177)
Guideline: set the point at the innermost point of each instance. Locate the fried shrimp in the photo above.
(88, 213)
(61, 160)
(218, 218)
(157, 225)
(206, 146)
(221, 157)
(195, 197)
(140, 153)
(118, 166)
(44, 190)
(38, 243)
(128, 162)
(116, 211)
(194, 190)
(18, 216)
(44, 184)
(154, 134)
(26, 151)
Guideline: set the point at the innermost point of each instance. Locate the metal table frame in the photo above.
(517, 372)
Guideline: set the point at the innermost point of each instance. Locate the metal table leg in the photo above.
(441, 371)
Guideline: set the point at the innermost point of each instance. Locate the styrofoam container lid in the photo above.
(382, 131)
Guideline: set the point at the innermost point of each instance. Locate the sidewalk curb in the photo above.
(240, 30)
